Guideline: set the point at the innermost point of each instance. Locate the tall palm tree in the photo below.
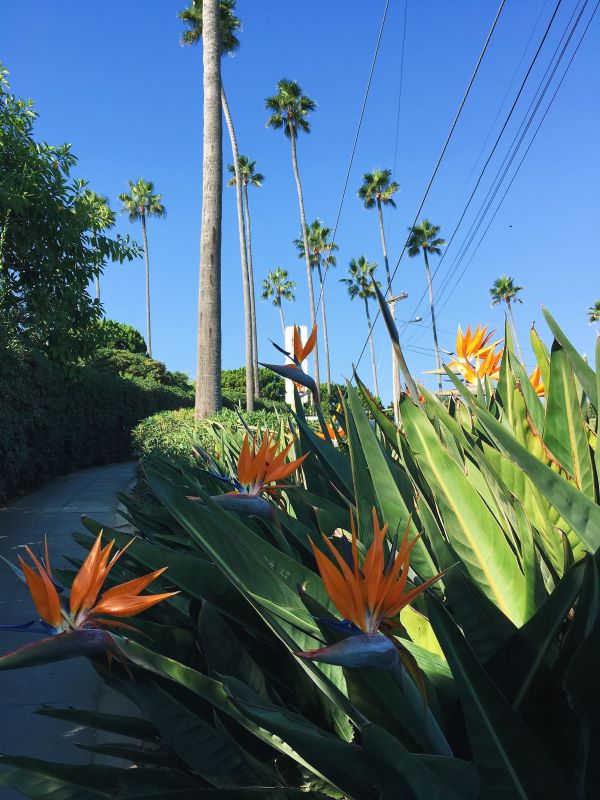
(192, 16)
(594, 313)
(102, 218)
(361, 284)
(140, 203)
(290, 109)
(249, 177)
(505, 291)
(378, 190)
(321, 255)
(277, 286)
(423, 238)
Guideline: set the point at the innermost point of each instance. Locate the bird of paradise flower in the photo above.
(77, 626)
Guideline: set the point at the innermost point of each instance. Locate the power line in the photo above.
(523, 158)
(513, 148)
(399, 97)
(489, 158)
(358, 127)
(444, 148)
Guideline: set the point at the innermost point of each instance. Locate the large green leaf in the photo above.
(392, 507)
(511, 761)
(469, 524)
(564, 432)
(582, 371)
(407, 775)
(342, 763)
(579, 512)
(135, 727)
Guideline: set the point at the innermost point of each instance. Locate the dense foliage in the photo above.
(173, 433)
(236, 692)
(233, 384)
(51, 423)
(136, 365)
(113, 335)
(50, 249)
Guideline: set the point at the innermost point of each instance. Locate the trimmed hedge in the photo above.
(51, 424)
(171, 433)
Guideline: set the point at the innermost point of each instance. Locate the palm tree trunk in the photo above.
(395, 371)
(373, 364)
(98, 288)
(255, 374)
(208, 366)
(148, 328)
(438, 360)
(243, 255)
(325, 337)
(282, 320)
(514, 330)
(97, 270)
(311, 293)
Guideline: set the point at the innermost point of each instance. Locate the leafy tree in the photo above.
(277, 286)
(361, 284)
(321, 255)
(423, 238)
(505, 291)
(102, 218)
(594, 312)
(140, 203)
(51, 247)
(249, 177)
(118, 336)
(228, 25)
(290, 109)
(376, 191)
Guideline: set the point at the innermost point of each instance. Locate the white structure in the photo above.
(289, 346)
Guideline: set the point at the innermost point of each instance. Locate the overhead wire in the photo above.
(515, 145)
(489, 158)
(512, 151)
(355, 142)
(445, 147)
(461, 275)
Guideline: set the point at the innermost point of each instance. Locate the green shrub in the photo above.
(51, 423)
(171, 433)
(136, 365)
(118, 336)
(233, 383)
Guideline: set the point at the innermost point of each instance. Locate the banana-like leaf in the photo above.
(582, 371)
(579, 512)
(392, 508)
(542, 356)
(470, 526)
(44, 779)
(135, 727)
(510, 760)
(404, 773)
(564, 432)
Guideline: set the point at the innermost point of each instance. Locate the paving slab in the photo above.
(54, 510)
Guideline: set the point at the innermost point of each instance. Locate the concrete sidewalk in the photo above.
(55, 511)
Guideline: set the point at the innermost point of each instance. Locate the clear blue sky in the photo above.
(112, 80)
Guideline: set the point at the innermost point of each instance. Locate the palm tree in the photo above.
(290, 109)
(249, 178)
(378, 190)
(102, 218)
(505, 291)
(423, 238)
(594, 313)
(321, 255)
(361, 283)
(140, 203)
(192, 16)
(277, 286)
